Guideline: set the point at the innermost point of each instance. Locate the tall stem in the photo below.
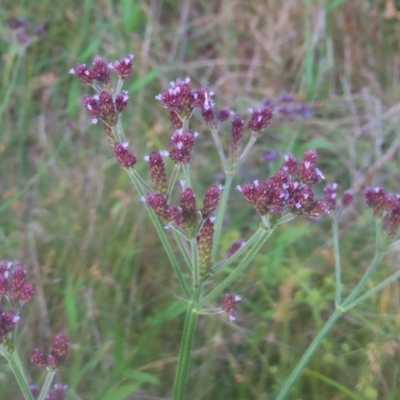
(185, 350)
(338, 267)
(262, 237)
(307, 355)
(220, 215)
(18, 371)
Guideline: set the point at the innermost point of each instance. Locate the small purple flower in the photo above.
(210, 201)
(124, 156)
(235, 246)
(236, 139)
(228, 305)
(157, 171)
(347, 198)
(123, 67)
(376, 199)
(260, 119)
(204, 245)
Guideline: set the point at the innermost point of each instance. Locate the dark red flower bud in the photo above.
(91, 103)
(236, 245)
(18, 280)
(204, 246)
(189, 211)
(121, 101)
(391, 202)
(375, 198)
(175, 215)
(179, 98)
(228, 305)
(308, 173)
(210, 202)
(107, 109)
(100, 73)
(82, 73)
(158, 202)
(124, 156)
(39, 359)
(176, 122)
(27, 292)
(290, 164)
(157, 171)
(60, 348)
(224, 114)
(330, 195)
(8, 320)
(123, 67)
(183, 145)
(347, 198)
(235, 146)
(260, 119)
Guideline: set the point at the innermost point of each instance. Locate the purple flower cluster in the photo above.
(16, 291)
(57, 393)
(108, 102)
(289, 190)
(23, 33)
(181, 100)
(288, 108)
(57, 355)
(386, 206)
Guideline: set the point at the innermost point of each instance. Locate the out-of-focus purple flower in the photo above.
(260, 119)
(236, 139)
(235, 246)
(228, 305)
(123, 67)
(210, 201)
(204, 245)
(124, 156)
(157, 171)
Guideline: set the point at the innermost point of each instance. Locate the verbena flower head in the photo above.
(289, 190)
(183, 142)
(123, 67)
(204, 244)
(228, 305)
(57, 356)
(157, 171)
(13, 284)
(259, 119)
(123, 155)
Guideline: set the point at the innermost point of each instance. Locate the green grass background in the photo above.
(69, 213)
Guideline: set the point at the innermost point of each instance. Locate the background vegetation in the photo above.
(69, 213)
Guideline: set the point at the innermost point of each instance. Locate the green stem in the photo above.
(360, 286)
(182, 245)
(172, 180)
(220, 150)
(195, 264)
(307, 355)
(10, 83)
(338, 267)
(46, 385)
(18, 371)
(220, 215)
(185, 350)
(262, 237)
(372, 291)
(161, 233)
(186, 175)
(246, 151)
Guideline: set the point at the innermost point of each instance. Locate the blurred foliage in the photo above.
(70, 215)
